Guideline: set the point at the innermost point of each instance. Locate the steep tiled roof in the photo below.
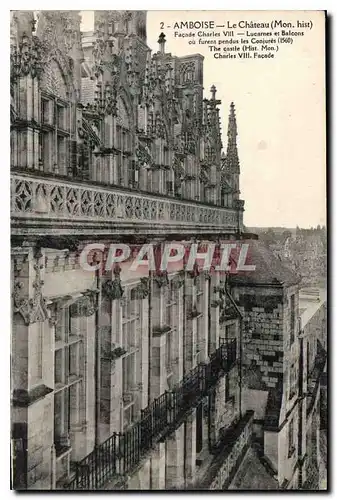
(269, 269)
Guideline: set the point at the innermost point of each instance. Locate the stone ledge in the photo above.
(24, 398)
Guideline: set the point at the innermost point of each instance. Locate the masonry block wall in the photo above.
(271, 366)
(263, 332)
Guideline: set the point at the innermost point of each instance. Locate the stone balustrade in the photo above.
(45, 205)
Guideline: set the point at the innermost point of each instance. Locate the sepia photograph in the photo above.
(168, 241)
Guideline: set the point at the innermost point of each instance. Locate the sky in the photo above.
(280, 108)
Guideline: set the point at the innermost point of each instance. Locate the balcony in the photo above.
(61, 205)
(122, 452)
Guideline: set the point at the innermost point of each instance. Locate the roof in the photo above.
(310, 302)
(269, 269)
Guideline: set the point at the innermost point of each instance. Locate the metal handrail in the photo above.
(122, 452)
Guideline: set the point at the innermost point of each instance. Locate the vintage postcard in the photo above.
(168, 250)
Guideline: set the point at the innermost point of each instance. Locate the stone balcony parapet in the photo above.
(43, 204)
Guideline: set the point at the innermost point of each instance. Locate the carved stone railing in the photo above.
(65, 204)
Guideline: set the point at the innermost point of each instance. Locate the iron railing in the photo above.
(122, 452)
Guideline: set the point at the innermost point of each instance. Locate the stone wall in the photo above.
(263, 310)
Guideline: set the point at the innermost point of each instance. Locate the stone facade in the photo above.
(283, 347)
(108, 139)
(126, 380)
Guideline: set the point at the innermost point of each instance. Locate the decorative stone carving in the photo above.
(161, 279)
(143, 156)
(106, 99)
(112, 289)
(160, 130)
(99, 48)
(61, 30)
(204, 177)
(178, 169)
(220, 289)
(178, 282)
(116, 353)
(142, 289)
(216, 303)
(187, 72)
(194, 273)
(76, 201)
(160, 330)
(85, 305)
(32, 309)
(194, 313)
(27, 57)
(53, 316)
(207, 274)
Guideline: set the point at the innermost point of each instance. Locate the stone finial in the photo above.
(161, 42)
(232, 157)
(232, 128)
(213, 92)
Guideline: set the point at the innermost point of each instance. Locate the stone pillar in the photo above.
(32, 406)
(190, 299)
(53, 468)
(25, 136)
(212, 190)
(156, 180)
(158, 467)
(106, 367)
(158, 370)
(190, 444)
(178, 313)
(90, 396)
(142, 178)
(158, 378)
(215, 311)
(144, 346)
(158, 304)
(175, 460)
(116, 423)
(36, 133)
(30, 316)
(204, 333)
